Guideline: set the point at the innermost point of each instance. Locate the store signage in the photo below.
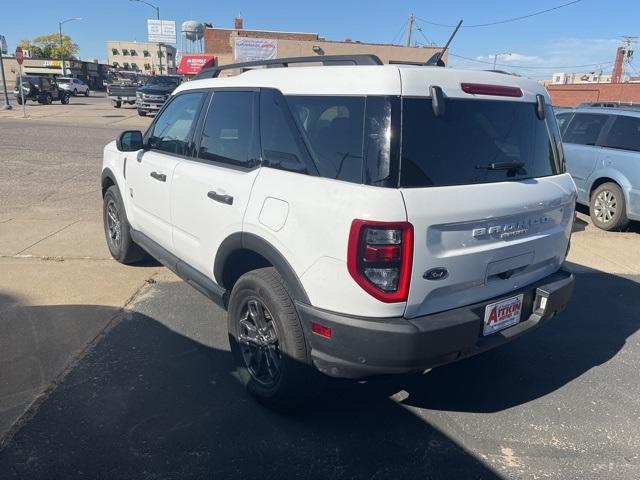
(251, 49)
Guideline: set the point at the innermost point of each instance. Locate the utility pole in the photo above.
(410, 29)
(628, 43)
(495, 58)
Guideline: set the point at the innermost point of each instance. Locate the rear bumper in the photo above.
(363, 347)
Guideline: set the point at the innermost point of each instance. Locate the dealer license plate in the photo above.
(502, 314)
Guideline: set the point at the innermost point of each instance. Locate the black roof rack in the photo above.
(363, 59)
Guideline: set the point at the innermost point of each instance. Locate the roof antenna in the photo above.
(436, 59)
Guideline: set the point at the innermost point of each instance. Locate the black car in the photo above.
(152, 95)
(41, 89)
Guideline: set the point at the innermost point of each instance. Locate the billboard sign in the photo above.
(192, 64)
(251, 49)
(162, 31)
(3, 44)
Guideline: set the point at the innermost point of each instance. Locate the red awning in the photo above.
(192, 64)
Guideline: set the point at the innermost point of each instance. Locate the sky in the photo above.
(584, 33)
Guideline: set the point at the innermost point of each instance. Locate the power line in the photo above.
(508, 20)
(399, 34)
(533, 67)
(429, 42)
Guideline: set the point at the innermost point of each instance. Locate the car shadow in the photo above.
(602, 314)
(148, 401)
(159, 399)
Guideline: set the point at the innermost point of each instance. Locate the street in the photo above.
(116, 372)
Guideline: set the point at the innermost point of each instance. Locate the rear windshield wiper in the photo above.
(501, 166)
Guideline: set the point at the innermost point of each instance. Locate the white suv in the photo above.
(75, 86)
(354, 219)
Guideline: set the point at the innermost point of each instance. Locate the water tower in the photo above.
(192, 37)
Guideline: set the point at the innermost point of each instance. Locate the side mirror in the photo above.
(130, 141)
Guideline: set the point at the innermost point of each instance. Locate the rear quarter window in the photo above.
(624, 134)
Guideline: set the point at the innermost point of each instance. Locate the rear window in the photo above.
(475, 141)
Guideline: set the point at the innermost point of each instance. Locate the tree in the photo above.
(48, 46)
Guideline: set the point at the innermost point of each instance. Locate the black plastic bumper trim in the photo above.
(361, 347)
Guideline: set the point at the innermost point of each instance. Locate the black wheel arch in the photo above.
(107, 179)
(253, 252)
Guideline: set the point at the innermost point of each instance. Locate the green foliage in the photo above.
(48, 46)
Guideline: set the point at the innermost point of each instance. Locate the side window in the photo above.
(624, 134)
(333, 127)
(230, 134)
(173, 128)
(585, 128)
(282, 146)
(561, 119)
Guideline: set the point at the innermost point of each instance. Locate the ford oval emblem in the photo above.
(438, 273)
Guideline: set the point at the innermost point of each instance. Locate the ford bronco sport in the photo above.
(358, 219)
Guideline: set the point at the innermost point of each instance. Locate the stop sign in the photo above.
(19, 55)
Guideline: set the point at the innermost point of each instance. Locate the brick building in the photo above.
(221, 43)
(572, 95)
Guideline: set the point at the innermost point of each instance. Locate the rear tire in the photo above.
(142, 113)
(86, 92)
(64, 99)
(607, 207)
(267, 342)
(116, 103)
(75, 92)
(48, 99)
(19, 100)
(117, 230)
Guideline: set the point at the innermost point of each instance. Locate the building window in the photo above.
(114, 51)
(133, 53)
(125, 51)
(146, 53)
(134, 66)
(116, 64)
(125, 65)
(160, 54)
(147, 66)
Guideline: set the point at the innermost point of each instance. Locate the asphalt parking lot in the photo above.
(118, 372)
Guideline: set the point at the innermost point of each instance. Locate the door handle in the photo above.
(226, 199)
(161, 177)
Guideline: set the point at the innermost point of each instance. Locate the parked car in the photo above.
(122, 88)
(627, 105)
(152, 95)
(41, 89)
(281, 195)
(75, 86)
(602, 148)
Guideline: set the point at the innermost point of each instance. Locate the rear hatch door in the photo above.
(484, 189)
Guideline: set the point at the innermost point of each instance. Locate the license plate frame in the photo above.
(502, 314)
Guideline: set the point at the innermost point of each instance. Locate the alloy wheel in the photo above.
(605, 206)
(114, 225)
(259, 342)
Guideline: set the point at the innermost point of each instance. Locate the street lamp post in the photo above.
(495, 57)
(157, 9)
(61, 45)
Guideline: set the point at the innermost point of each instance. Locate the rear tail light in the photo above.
(494, 90)
(379, 258)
